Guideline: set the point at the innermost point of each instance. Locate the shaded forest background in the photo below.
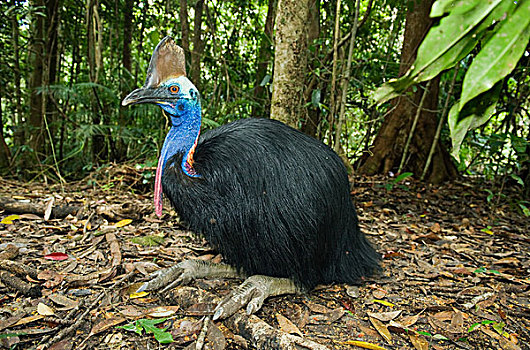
(65, 66)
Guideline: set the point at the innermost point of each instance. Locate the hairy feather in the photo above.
(273, 201)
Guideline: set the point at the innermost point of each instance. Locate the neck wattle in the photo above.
(180, 139)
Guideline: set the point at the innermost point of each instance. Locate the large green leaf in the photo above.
(499, 55)
(448, 42)
(441, 7)
(474, 114)
(450, 31)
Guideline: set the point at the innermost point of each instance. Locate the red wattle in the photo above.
(158, 189)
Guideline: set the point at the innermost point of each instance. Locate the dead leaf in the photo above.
(49, 207)
(508, 261)
(385, 316)
(418, 341)
(123, 222)
(131, 311)
(318, 308)
(408, 321)
(436, 228)
(382, 330)
(45, 310)
(457, 321)
(28, 319)
(106, 324)
(287, 326)
(63, 301)
(162, 311)
(363, 344)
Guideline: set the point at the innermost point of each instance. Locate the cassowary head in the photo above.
(166, 85)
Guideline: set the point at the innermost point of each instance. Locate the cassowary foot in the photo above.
(184, 272)
(252, 293)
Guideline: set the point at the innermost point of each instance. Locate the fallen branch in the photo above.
(18, 268)
(263, 336)
(16, 284)
(10, 205)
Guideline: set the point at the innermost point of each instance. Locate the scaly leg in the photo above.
(186, 271)
(252, 293)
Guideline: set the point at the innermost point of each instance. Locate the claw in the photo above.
(252, 293)
(183, 273)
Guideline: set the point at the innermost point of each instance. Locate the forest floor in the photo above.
(456, 273)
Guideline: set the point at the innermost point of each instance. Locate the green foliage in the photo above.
(148, 326)
(389, 186)
(503, 29)
(86, 127)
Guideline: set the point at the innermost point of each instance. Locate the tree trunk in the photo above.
(18, 135)
(184, 27)
(261, 108)
(390, 141)
(126, 68)
(5, 155)
(35, 132)
(314, 115)
(198, 45)
(290, 61)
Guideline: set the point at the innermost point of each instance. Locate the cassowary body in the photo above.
(274, 201)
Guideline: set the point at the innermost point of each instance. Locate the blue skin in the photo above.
(185, 114)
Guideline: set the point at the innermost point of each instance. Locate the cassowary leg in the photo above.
(252, 293)
(186, 271)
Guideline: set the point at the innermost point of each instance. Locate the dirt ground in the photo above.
(456, 273)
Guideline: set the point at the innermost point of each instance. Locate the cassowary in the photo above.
(273, 201)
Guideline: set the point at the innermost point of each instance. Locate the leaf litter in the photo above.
(456, 273)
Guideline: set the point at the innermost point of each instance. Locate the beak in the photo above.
(145, 95)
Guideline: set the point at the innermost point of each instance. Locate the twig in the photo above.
(413, 128)
(440, 124)
(202, 336)
(346, 79)
(81, 318)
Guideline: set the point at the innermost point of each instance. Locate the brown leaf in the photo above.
(409, 321)
(318, 308)
(508, 261)
(216, 338)
(131, 311)
(52, 278)
(49, 207)
(457, 321)
(106, 324)
(27, 320)
(436, 228)
(382, 330)
(418, 341)
(162, 311)
(287, 326)
(63, 301)
(65, 344)
(385, 316)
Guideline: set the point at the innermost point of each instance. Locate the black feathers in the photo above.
(274, 202)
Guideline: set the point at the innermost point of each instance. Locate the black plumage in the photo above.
(274, 202)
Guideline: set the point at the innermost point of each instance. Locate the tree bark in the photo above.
(314, 115)
(261, 108)
(126, 68)
(290, 61)
(5, 155)
(35, 133)
(389, 144)
(198, 45)
(184, 27)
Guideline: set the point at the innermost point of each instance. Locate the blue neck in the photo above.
(183, 135)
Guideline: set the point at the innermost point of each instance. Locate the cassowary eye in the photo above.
(174, 89)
